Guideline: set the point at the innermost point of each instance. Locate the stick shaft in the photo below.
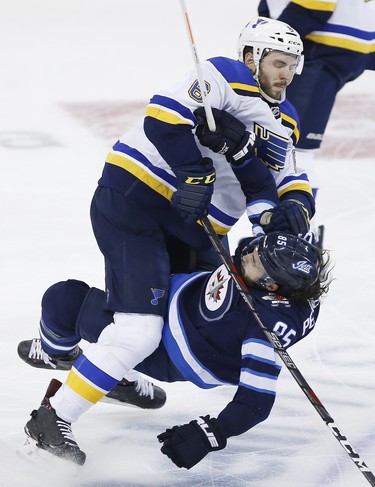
(280, 350)
(198, 66)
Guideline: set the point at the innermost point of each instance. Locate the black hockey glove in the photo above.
(186, 445)
(289, 216)
(194, 190)
(230, 138)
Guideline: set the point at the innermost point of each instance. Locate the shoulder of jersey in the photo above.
(237, 74)
(282, 308)
(217, 294)
(290, 119)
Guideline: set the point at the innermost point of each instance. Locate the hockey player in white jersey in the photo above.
(210, 338)
(272, 51)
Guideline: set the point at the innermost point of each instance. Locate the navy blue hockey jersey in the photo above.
(213, 339)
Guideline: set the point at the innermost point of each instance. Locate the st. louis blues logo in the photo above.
(302, 266)
(259, 22)
(158, 294)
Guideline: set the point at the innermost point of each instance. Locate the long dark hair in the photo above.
(319, 287)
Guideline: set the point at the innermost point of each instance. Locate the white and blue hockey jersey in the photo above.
(213, 339)
(342, 28)
(166, 139)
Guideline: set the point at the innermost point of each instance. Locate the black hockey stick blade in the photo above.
(284, 355)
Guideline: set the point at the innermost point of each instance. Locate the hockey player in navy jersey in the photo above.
(339, 45)
(210, 338)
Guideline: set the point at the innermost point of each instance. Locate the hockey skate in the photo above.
(140, 393)
(31, 352)
(51, 433)
(134, 390)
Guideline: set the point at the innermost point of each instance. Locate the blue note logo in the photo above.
(158, 294)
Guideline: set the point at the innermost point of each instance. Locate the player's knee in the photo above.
(132, 337)
(60, 307)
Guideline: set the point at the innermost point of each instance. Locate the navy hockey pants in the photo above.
(313, 93)
(72, 311)
(139, 244)
(136, 259)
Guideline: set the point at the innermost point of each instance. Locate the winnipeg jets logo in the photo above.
(216, 286)
(302, 266)
(216, 293)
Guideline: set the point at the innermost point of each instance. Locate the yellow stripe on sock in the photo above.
(83, 388)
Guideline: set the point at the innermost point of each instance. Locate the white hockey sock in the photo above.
(120, 347)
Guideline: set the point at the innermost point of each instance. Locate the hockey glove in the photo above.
(186, 445)
(230, 139)
(289, 216)
(194, 190)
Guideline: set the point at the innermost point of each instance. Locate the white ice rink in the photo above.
(75, 74)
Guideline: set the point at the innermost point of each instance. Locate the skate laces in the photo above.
(144, 387)
(66, 431)
(37, 352)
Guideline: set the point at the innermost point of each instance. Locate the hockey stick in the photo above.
(202, 84)
(291, 366)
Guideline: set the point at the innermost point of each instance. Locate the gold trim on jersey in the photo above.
(153, 182)
(165, 116)
(291, 121)
(316, 5)
(244, 87)
(219, 229)
(141, 173)
(342, 43)
(292, 186)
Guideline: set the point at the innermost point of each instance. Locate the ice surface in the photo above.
(74, 75)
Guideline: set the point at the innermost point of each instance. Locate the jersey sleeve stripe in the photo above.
(173, 106)
(258, 382)
(166, 116)
(296, 185)
(364, 47)
(324, 5)
(245, 89)
(258, 348)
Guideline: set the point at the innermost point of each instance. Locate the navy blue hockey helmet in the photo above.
(291, 262)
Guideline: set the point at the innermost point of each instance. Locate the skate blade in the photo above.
(30, 453)
(117, 402)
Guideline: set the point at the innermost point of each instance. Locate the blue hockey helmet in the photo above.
(291, 262)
